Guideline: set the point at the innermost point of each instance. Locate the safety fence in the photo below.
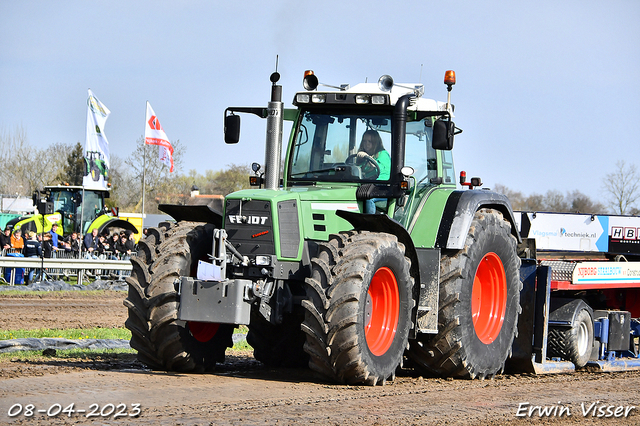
(14, 267)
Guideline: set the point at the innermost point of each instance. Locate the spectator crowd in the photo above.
(118, 245)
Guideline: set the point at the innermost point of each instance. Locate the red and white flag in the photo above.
(155, 135)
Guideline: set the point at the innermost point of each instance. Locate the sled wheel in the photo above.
(575, 343)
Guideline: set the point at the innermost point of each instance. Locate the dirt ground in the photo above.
(62, 309)
(242, 391)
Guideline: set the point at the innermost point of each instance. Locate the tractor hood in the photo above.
(263, 221)
(325, 197)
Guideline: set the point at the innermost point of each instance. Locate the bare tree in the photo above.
(534, 203)
(125, 190)
(234, 178)
(581, 203)
(554, 201)
(159, 187)
(622, 187)
(13, 148)
(27, 168)
(515, 197)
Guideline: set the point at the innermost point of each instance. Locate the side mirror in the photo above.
(231, 129)
(443, 135)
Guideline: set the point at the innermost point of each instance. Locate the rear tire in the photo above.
(575, 343)
(161, 340)
(479, 304)
(358, 308)
(277, 345)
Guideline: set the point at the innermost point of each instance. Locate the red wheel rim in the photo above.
(382, 311)
(203, 331)
(489, 298)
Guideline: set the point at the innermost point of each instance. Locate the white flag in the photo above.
(155, 135)
(96, 150)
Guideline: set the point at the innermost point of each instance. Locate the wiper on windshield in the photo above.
(338, 168)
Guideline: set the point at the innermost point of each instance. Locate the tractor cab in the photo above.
(67, 201)
(384, 138)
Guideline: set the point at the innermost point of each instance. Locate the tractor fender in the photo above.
(459, 211)
(563, 311)
(11, 224)
(34, 222)
(194, 213)
(114, 223)
(383, 223)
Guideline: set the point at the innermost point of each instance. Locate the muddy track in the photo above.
(67, 309)
(243, 391)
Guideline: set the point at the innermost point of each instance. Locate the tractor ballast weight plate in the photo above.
(197, 297)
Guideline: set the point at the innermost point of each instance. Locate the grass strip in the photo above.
(57, 294)
(239, 349)
(67, 354)
(81, 333)
(70, 333)
(91, 333)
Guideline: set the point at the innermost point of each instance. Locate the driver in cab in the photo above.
(372, 153)
(371, 147)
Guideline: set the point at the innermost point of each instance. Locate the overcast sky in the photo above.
(548, 92)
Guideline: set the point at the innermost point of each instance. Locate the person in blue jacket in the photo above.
(32, 248)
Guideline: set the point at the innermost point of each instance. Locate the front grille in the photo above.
(249, 226)
(289, 228)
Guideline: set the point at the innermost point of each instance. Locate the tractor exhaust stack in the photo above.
(273, 151)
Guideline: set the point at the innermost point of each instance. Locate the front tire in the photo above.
(479, 304)
(359, 301)
(163, 342)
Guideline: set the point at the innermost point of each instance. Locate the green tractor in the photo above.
(352, 262)
(95, 166)
(62, 204)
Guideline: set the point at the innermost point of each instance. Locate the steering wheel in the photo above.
(372, 174)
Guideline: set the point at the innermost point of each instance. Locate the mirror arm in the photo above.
(259, 111)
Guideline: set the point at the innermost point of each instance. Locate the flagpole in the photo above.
(144, 164)
(144, 169)
(82, 213)
(81, 236)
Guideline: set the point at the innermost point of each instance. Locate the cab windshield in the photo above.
(93, 207)
(68, 203)
(64, 203)
(357, 148)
